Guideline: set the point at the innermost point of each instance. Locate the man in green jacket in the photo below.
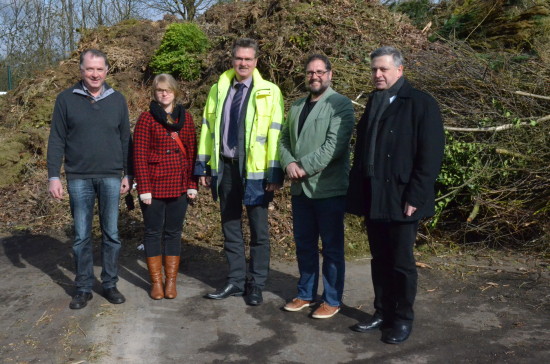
(238, 158)
(314, 151)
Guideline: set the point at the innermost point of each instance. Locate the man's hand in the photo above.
(205, 181)
(55, 188)
(409, 210)
(295, 172)
(271, 187)
(125, 185)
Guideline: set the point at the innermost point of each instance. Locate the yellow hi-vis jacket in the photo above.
(263, 124)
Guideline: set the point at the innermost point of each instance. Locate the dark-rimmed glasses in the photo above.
(310, 74)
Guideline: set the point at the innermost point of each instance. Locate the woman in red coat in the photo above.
(164, 156)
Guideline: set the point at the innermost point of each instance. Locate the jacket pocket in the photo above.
(154, 164)
(258, 156)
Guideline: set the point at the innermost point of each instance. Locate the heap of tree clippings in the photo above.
(494, 186)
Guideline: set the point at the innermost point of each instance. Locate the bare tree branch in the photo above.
(532, 95)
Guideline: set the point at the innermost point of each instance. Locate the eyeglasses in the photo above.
(162, 90)
(316, 73)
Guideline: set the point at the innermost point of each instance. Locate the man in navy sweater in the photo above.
(90, 133)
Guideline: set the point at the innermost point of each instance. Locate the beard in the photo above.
(318, 90)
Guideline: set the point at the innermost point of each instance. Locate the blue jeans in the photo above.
(314, 218)
(82, 195)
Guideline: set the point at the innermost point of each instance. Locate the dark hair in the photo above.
(94, 53)
(388, 51)
(245, 43)
(320, 57)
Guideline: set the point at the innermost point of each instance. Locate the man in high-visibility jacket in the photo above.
(238, 158)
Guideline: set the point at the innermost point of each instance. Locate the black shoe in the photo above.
(254, 297)
(228, 290)
(113, 295)
(374, 323)
(80, 300)
(398, 333)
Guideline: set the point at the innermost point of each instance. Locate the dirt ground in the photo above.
(485, 307)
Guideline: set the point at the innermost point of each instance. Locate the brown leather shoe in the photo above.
(154, 264)
(325, 311)
(171, 267)
(296, 305)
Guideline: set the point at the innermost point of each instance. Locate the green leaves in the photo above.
(180, 51)
(461, 176)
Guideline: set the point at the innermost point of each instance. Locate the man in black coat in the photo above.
(398, 154)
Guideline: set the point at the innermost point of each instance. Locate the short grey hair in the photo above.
(388, 51)
(94, 53)
(246, 43)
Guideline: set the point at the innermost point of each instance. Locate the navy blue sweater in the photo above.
(94, 137)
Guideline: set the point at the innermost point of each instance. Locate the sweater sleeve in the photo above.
(57, 138)
(126, 139)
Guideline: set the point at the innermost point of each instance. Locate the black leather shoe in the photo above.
(113, 295)
(226, 291)
(398, 333)
(374, 323)
(80, 300)
(254, 297)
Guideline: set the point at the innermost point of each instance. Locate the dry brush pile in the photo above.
(495, 185)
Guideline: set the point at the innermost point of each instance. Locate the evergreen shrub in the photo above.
(180, 52)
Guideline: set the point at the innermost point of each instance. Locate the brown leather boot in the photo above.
(171, 266)
(154, 264)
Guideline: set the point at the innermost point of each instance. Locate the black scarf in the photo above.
(379, 104)
(162, 117)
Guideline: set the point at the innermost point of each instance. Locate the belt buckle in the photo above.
(230, 160)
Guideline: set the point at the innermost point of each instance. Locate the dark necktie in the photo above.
(233, 137)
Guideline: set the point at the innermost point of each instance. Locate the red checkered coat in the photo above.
(160, 167)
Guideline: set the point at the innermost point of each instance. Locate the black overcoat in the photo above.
(409, 151)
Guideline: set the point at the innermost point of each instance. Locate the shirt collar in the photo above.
(246, 82)
(90, 94)
(105, 91)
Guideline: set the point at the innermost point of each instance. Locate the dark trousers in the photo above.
(163, 220)
(393, 268)
(231, 202)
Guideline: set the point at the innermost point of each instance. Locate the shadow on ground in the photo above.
(497, 312)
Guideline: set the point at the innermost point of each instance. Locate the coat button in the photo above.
(168, 151)
(389, 155)
(387, 180)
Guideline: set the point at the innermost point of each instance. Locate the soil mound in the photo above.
(472, 91)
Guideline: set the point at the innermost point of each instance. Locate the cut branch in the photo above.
(496, 128)
(358, 104)
(532, 95)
